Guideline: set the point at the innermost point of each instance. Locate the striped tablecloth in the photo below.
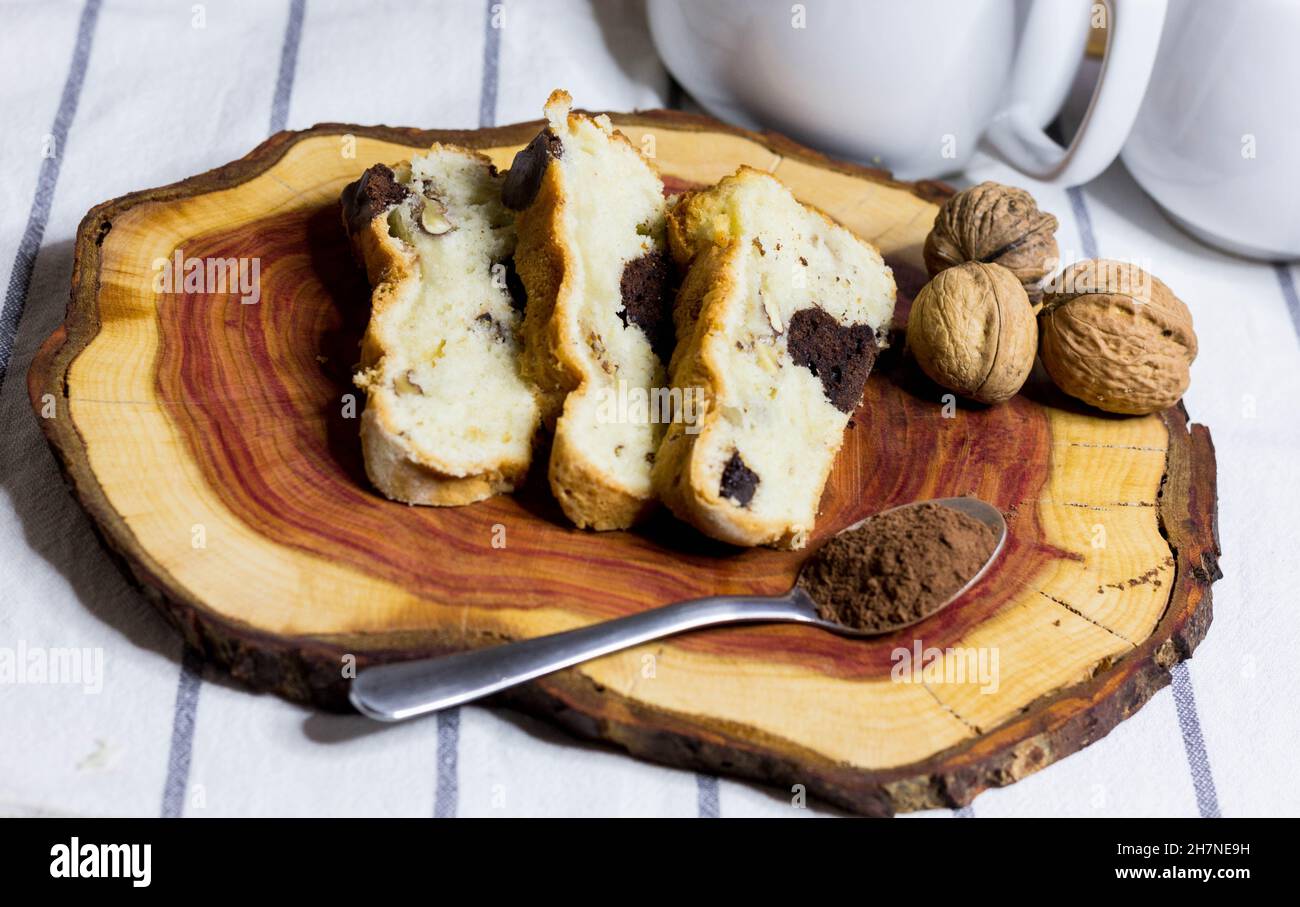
(102, 97)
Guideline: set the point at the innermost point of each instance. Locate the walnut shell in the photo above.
(994, 224)
(1116, 337)
(972, 330)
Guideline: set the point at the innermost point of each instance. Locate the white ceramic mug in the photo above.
(1217, 140)
(913, 85)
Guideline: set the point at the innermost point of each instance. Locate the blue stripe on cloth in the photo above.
(1084, 220)
(182, 745)
(1207, 797)
(20, 278)
(288, 65)
(707, 801)
(1287, 283)
(487, 101)
(447, 795)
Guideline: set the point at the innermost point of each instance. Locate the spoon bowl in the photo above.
(983, 511)
(394, 692)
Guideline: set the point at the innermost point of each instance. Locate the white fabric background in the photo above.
(153, 99)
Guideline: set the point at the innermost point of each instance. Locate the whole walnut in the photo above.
(972, 330)
(994, 224)
(1116, 337)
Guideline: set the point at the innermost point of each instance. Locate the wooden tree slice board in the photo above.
(209, 440)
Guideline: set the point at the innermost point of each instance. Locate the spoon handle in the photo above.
(393, 692)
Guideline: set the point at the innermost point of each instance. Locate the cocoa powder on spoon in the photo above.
(897, 567)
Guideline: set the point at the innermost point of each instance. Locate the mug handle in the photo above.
(1131, 44)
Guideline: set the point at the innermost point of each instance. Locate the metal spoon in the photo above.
(394, 692)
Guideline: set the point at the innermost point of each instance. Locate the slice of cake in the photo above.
(592, 258)
(449, 418)
(778, 322)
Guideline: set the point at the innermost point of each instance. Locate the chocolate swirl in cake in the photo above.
(841, 355)
(374, 193)
(529, 166)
